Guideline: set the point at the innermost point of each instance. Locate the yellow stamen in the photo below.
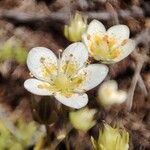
(115, 53)
(47, 68)
(69, 68)
(79, 80)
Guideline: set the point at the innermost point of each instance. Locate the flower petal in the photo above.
(126, 50)
(76, 101)
(96, 27)
(39, 69)
(85, 40)
(32, 85)
(119, 32)
(87, 43)
(75, 53)
(95, 74)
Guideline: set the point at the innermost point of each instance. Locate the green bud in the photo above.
(83, 119)
(77, 26)
(111, 139)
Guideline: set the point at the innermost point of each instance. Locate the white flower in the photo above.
(66, 78)
(109, 46)
(108, 94)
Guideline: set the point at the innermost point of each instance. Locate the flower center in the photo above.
(103, 47)
(66, 85)
(63, 79)
(62, 83)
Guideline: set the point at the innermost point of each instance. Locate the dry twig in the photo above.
(22, 17)
(134, 82)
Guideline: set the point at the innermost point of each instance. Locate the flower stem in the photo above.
(47, 132)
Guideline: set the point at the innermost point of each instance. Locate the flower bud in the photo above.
(83, 119)
(77, 26)
(111, 139)
(108, 94)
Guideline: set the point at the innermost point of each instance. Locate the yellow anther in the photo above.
(115, 53)
(97, 39)
(105, 38)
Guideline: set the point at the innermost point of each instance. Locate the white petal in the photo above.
(119, 32)
(86, 42)
(84, 39)
(34, 61)
(32, 86)
(76, 52)
(126, 50)
(96, 27)
(76, 101)
(95, 75)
